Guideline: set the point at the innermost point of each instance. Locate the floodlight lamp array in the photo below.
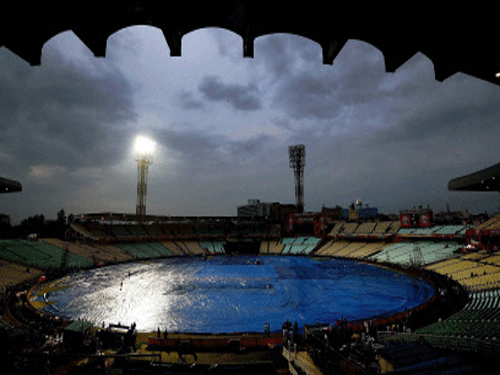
(144, 149)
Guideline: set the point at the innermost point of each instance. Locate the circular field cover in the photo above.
(229, 294)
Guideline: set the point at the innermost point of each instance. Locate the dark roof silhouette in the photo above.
(9, 186)
(487, 179)
(455, 36)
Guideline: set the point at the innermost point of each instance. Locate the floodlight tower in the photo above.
(297, 155)
(144, 149)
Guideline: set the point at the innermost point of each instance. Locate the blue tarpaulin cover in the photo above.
(230, 294)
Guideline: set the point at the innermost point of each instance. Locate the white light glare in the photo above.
(144, 146)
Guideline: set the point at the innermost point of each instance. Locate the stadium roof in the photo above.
(9, 186)
(122, 217)
(487, 179)
(455, 36)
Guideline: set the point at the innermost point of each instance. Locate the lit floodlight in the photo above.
(144, 149)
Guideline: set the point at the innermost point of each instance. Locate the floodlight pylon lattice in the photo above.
(297, 156)
(142, 186)
(416, 257)
(144, 158)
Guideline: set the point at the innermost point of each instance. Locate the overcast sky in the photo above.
(223, 124)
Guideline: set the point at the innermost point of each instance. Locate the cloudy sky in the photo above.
(223, 124)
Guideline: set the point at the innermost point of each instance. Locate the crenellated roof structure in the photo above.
(455, 36)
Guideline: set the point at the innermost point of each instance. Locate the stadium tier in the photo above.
(196, 248)
(145, 250)
(405, 253)
(331, 247)
(394, 228)
(95, 252)
(380, 229)
(366, 228)
(478, 319)
(264, 247)
(349, 228)
(12, 274)
(40, 254)
(355, 249)
(174, 248)
(474, 271)
(299, 245)
(337, 228)
(275, 247)
(367, 250)
(493, 223)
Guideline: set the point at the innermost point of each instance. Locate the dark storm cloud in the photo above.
(456, 107)
(282, 123)
(250, 148)
(192, 144)
(307, 95)
(204, 153)
(361, 70)
(280, 52)
(62, 112)
(320, 91)
(187, 101)
(244, 97)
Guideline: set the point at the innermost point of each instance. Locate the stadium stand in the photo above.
(431, 252)
(365, 228)
(264, 247)
(299, 245)
(174, 248)
(154, 230)
(491, 224)
(332, 247)
(451, 229)
(136, 251)
(87, 231)
(475, 271)
(119, 231)
(93, 252)
(275, 247)
(350, 248)
(425, 231)
(478, 319)
(382, 227)
(337, 228)
(40, 254)
(136, 231)
(406, 231)
(92, 227)
(368, 249)
(186, 230)
(196, 248)
(184, 248)
(12, 274)
(145, 250)
(349, 228)
(322, 250)
(394, 228)
(435, 231)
